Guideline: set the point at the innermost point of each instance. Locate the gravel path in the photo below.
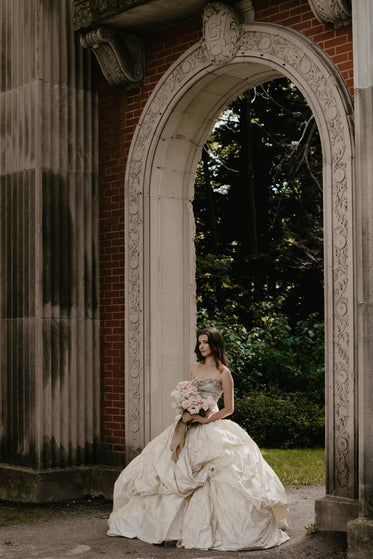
(79, 531)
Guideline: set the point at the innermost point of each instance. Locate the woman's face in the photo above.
(204, 346)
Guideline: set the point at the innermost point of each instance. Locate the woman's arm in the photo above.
(227, 385)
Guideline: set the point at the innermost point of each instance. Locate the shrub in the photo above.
(274, 352)
(278, 420)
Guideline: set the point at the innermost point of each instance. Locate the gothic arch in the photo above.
(159, 223)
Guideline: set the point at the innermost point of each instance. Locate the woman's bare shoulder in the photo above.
(225, 373)
(192, 368)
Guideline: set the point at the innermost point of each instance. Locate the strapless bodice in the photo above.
(208, 387)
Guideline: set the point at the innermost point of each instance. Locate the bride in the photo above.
(209, 489)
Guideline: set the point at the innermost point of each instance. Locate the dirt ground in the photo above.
(78, 529)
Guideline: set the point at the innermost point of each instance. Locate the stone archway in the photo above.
(160, 293)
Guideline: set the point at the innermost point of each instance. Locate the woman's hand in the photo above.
(199, 419)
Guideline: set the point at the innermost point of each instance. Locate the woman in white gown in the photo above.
(218, 492)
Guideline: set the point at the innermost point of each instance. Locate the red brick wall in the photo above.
(119, 113)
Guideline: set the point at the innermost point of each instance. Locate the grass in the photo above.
(297, 466)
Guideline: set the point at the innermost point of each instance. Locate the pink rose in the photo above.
(183, 385)
(193, 409)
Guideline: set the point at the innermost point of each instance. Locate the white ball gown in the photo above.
(220, 494)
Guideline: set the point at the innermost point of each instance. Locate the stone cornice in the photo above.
(334, 12)
(133, 15)
(119, 54)
(90, 12)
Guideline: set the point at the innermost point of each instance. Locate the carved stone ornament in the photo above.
(119, 54)
(335, 12)
(88, 12)
(222, 30)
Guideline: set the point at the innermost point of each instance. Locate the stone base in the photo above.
(41, 486)
(360, 539)
(333, 513)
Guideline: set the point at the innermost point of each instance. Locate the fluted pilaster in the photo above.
(49, 351)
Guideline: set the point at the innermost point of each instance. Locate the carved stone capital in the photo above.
(119, 54)
(222, 30)
(335, 12)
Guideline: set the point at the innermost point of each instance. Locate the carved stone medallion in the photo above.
(221, 32)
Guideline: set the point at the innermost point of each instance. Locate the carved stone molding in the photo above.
(335, 12)
(89, 12)
(297, 57)
(222, 30)
(119, 54)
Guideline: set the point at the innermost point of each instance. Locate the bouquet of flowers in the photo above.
(187, 398)
(188, 402)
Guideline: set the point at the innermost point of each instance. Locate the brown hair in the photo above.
(217, 346)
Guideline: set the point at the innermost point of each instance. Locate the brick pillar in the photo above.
(49, 349)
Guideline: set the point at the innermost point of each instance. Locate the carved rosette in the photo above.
(335, 12)
(285, 50)
(222, 30)
(119, 54)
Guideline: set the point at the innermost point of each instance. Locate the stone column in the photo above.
(49, 348)
(360, 531)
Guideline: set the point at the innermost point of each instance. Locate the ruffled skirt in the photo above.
(220, 494)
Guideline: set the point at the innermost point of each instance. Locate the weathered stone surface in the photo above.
(332, 513)
(120, 55)
(49, 320)
(335, 12)
(132, 14)
(360, 539)
(41, 486)
(88, 12)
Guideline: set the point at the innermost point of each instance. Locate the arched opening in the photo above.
(160, 310)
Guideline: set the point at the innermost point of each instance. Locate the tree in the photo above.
(258, 207)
